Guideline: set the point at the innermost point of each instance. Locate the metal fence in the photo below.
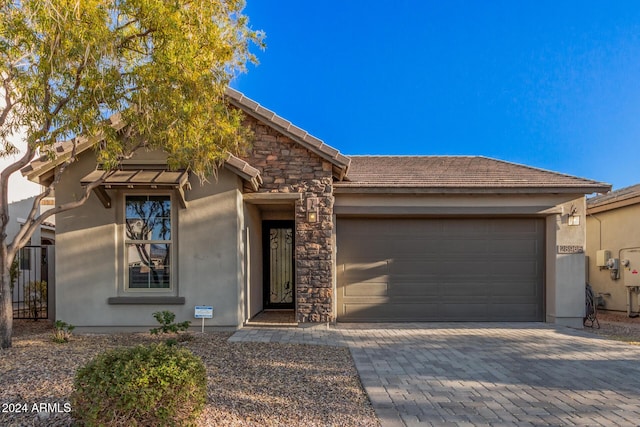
(32, 282)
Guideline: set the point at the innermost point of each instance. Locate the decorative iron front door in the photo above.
(278, 266)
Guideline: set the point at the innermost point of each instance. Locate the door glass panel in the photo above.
(280, 265)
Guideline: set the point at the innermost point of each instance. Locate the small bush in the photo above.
(167, 324)
(62, 331)
(36, 296)
(140, 386)
(14, 272)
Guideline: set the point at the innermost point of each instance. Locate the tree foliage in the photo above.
(158, 68)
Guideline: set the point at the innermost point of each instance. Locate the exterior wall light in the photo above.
(572, 217)
(312, 209)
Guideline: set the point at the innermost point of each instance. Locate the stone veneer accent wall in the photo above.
(287, 167)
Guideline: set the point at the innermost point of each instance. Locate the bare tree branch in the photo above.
(30, 226)
(127, 39)
(8, 102)
(76, 85)
(4, 189)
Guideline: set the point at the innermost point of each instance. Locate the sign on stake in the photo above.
(203, 312)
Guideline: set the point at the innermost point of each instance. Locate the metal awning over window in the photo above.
(139, 179)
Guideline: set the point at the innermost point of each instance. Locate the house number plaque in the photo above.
(570, 249)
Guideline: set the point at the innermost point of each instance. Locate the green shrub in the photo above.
(167, 324)
(62, 331)
(14, 272)
(140, 386)
(36, 297)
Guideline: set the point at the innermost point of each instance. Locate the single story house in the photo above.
(296, 225)
(613, 248)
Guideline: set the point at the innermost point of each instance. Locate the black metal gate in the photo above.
(30, 283)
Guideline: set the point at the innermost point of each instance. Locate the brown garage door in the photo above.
(440, 269)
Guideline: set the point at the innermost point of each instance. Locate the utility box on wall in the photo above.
(631, 267)
(602, 256)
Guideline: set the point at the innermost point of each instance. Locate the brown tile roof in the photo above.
(457, 174)
(615, 199)
(310, 142)
(340, 162)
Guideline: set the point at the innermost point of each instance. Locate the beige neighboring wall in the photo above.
(90, 263)
(613, 230)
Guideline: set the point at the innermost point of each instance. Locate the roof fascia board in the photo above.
(352, 189)
(64, 153)
(244, 170)
(613, 205)
(32, 174)
(271, 198)
(446, 210)
(339, 161)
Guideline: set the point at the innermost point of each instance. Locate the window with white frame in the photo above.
(148, 241)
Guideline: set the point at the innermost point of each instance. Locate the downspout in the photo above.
(599, 230)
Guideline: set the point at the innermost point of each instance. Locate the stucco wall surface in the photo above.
(566, 278)
(91, 268)
(613, 230)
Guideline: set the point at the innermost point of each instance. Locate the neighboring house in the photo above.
(296, 225)
(18, 212)
(613, 248)
(33, 260)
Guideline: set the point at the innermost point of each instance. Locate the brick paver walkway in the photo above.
(495, 374)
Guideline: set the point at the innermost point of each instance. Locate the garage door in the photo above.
(440, 269)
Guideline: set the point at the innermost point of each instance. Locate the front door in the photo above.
(279, 275)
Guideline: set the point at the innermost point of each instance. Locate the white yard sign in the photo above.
(203, 312)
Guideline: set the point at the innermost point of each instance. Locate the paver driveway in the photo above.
(484, 374)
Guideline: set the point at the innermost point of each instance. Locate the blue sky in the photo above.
(551, 84)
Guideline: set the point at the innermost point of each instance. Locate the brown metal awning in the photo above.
(138, 178)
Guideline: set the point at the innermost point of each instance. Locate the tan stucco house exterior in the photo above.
(297, 225)
(613, 249)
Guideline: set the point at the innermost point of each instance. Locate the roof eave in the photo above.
(40, 167)
(365, 189)
(339, 161)
(612, 204)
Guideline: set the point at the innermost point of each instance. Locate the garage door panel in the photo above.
(514, 288)
(363, 267)
(377, 248)
(513, 225)
(412, 289)
(465, 229)
(367, 289)
(514, 248)
(440, 269)
(516, 268)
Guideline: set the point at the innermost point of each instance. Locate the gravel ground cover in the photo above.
(250, 384)
(618, 326)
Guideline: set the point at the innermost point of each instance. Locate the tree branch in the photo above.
(8, 103)
(4, 188)
(30, 226)
(76, 85)
(127, 39)
(125, 25)
(37, 222)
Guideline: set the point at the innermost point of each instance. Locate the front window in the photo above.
(148, 241)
